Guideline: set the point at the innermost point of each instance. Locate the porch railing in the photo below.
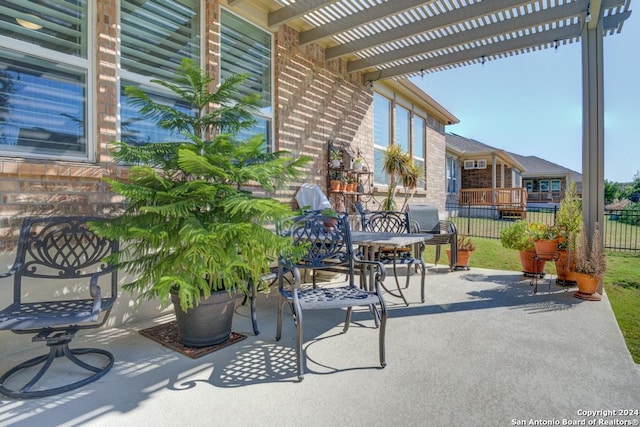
(501, 197)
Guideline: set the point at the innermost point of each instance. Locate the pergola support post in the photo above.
(593, 128)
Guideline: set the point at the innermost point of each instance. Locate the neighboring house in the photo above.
(546, 181)
(479, 174)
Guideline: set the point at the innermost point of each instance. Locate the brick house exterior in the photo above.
(314, 100)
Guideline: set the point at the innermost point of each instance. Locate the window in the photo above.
(401, 128)
(44, 79)
(452, 168)
(246, 49)
(544, 185)
(408, 134)
(481, 164)
(138, 130)
(469, 164)
(381, 135)
(417, 137)
(555, 185)
(156, 36)
(528, 184)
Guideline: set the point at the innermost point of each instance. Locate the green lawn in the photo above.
(621, 281)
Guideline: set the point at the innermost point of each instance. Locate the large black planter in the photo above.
(208, 323)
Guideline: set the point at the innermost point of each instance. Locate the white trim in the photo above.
(469, 164)
(481, 164)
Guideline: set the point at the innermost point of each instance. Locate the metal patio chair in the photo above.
(56, 293)
(425, 219)
(411, 256)
(329, 247)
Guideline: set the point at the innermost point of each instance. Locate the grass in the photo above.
(621, 282)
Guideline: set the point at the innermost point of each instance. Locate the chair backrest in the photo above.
(61, 248)
(328, 239)
(386, 222)
(426, 216)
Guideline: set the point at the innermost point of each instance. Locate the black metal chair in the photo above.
(395, 222)
(425, 219)
(328, 243)
(61, 260)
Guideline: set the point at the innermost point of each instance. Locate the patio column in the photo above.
(593, 126)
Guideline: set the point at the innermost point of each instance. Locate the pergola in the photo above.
(403, 38)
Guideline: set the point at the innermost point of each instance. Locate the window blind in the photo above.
(157, 35)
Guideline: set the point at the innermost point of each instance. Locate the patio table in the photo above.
(371, 241)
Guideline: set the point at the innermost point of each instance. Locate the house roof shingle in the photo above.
(531, 166)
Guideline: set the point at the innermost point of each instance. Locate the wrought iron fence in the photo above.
(621, 227)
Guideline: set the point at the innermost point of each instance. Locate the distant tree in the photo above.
(631, 188)
(612, 191)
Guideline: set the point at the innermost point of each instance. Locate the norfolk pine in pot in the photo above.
(192, 225)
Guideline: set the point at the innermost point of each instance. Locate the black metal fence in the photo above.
(621, 230)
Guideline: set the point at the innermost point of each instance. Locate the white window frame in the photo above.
(481, 164)
(86, 64)
(469, 164)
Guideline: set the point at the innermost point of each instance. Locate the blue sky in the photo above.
(531, 104)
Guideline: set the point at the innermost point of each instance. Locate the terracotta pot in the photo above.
(531, 266)
(463, 258)
(587, 287)
(334, 185)
(546, 249)
(564, 269)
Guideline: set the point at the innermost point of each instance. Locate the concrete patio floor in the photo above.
(481, 351)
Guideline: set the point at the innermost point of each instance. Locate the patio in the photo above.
(482, 350)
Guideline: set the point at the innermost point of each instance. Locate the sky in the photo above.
(531, 104)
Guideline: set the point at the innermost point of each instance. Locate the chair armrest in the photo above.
(414, 227)
(380, 273)
(448, 227)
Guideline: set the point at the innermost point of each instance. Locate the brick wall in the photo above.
(315, 101)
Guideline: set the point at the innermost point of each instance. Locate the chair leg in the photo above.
(300, 359)
(281, 304)
(381, 337)
(252, 294)
(395, 276)
(58, 347)
(347, 320)
(422, 282)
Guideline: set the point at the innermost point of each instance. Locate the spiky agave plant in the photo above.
(192, 221)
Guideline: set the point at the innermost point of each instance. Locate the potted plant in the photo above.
(568, 224)
(590, 264)
(336, 158)
(401, 168)
(194, 232)
(515, 237)
(358, 163)
(545, 239)
(465, 250)
(335, 181)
